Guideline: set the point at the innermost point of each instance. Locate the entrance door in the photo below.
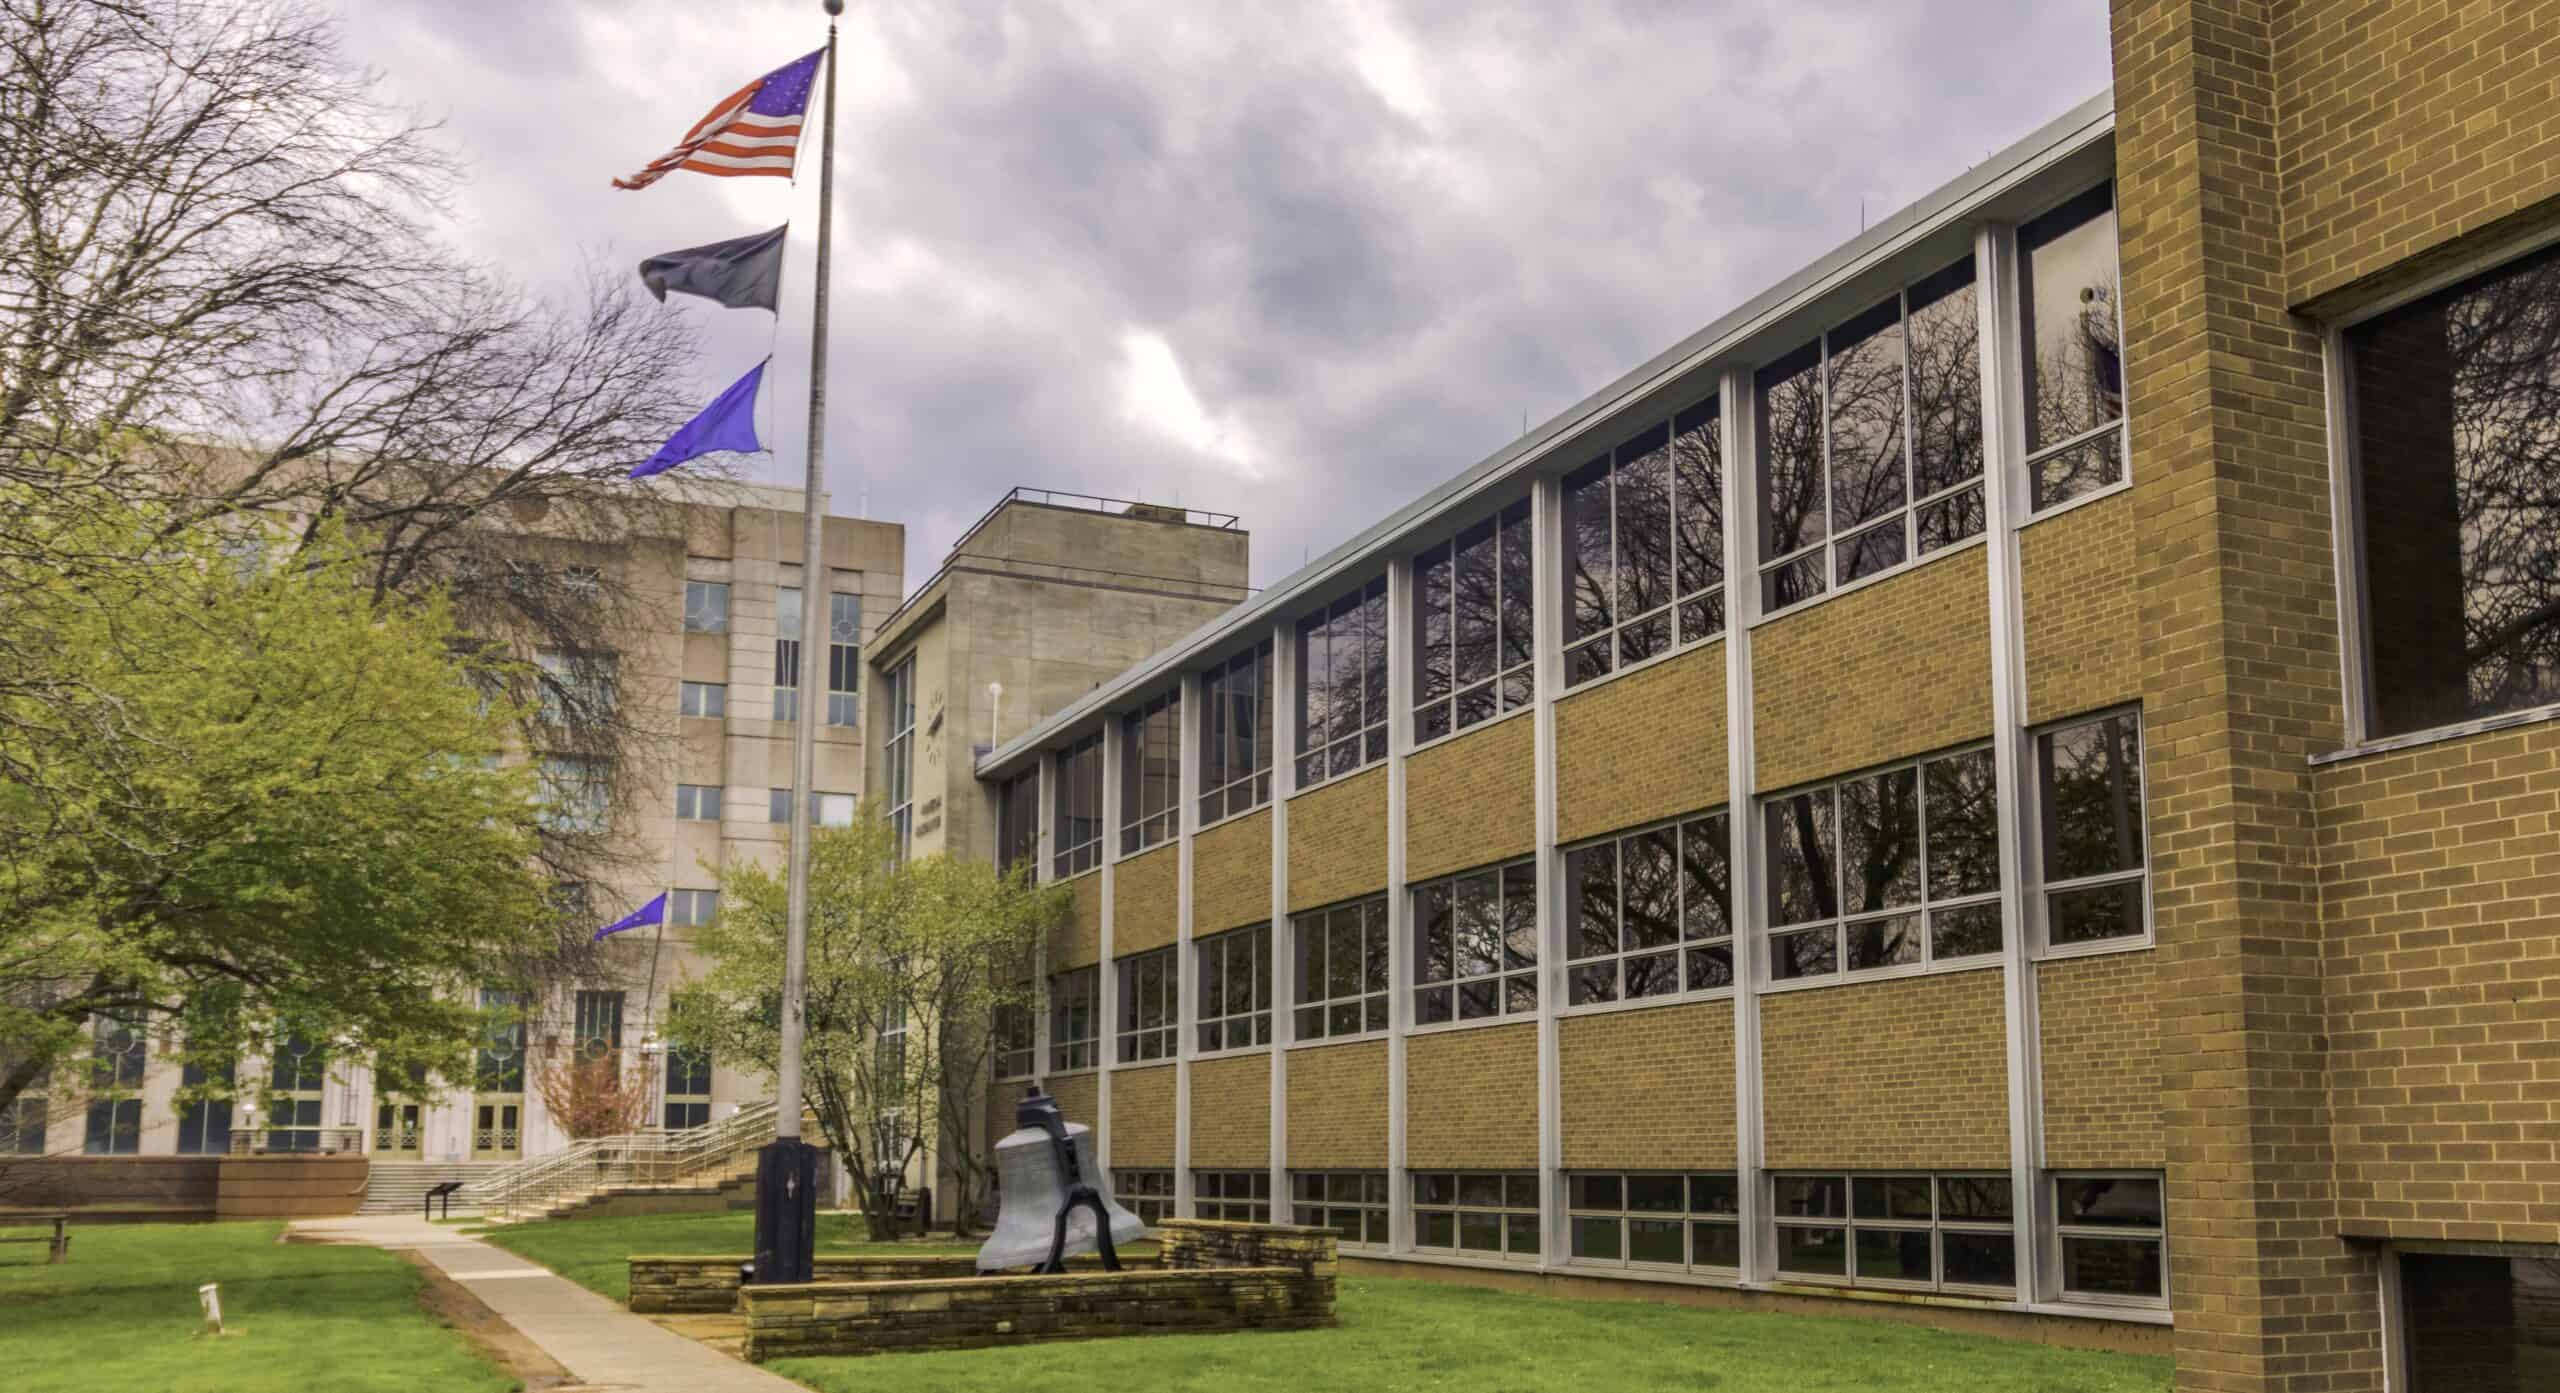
(396, 1129)
(497, 1093)
(497, 1128)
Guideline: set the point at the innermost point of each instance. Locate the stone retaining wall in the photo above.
(695, 1283)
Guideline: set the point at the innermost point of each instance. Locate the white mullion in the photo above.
(2004, 489)
(1046, 872)
(1106, 987)
(1401, 639)
(1190, 738)
(1284, 777)
(1546, 569)
(1738, 423)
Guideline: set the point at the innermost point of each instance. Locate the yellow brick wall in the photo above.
(1470, 800)
(2084, 640)
(1898, 668)
(2412, 123)
(1146, 900)
(1649, 1089)
(1337, 1106)
(2101, 1062)
(1879, 1075)
(1142, 1116)
(1338, 840)
(1077, 1096)
(1645, 746)
(2440, 871)
(1077, 940)
(1231, 874)
(1231, 1111)
(1471, 1098)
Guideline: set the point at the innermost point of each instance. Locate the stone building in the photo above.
(2009, 781)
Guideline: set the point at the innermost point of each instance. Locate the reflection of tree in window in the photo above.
(2075, 362)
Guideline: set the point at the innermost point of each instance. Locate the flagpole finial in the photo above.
(835, 7)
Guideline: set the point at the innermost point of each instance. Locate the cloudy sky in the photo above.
(1296, 261)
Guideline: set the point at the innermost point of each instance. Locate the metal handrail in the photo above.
(538, 1184)
(296, 1141)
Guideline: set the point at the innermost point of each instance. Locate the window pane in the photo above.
(1697, 465)
(2067, 281)
(1812, 1196)
(1884, 942)
(1791, 488)
(1894, 1255)
(2111, 1266)
(1519, 585)
(1965, 930)
(1595, 1192)
(1892, 1197)
(1591, 882)
(1714, 1194)
(1651, 891)
(1706, 878)
(1431, 655)
(1813, 953)
(1715, 1245)
(2460, 485)
(1865, 372)
(1876, 549)
(1597, 1238)
(1519, 916)
(1656, 1240)
(1479, 601)
(1643, 498)
(1951, 519)
(1980, 1259)
(1803, 841)
(2107, 1202)
(1974, 1198)
(2480, 1324)
(1785, 584)
(1880, 839)
(1946, 382)
(1813, 1252)
(1964, 826)
(1590, 575)
(2113, 910)
(2092, 798)
(1661, 1194)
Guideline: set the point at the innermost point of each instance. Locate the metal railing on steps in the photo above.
(540, 1184)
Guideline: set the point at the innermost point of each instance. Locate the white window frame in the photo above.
(1075, 858)
(1849, 1223)
(2056, 1231)
(698, 802)
(1319, 919)
(1145, 828)
(2121, 425)
(1134, 1035)
(1374, 724)
(1146, 1191)
(1251, 945)
(703, 700)
(1682, 640)
(1072, 1053)
(692, 908)
(1679, 950)
(1688, 1217)
(898, 750)
(1374, 1207)
(1245, 791)
(706, 606)
(1213, 1197)
(1511, 1181)
(1454, 987)
(1495, 682)
(844, 659)
(2039, 890)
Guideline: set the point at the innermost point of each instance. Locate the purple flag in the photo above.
(654, 912)
(728, 423)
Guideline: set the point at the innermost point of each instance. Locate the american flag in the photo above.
(755, 130)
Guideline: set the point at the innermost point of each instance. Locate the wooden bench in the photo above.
(57, 1247)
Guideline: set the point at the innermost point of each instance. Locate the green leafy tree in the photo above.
(910, 962)
(258, 789)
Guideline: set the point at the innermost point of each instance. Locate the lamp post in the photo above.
(787, 1171)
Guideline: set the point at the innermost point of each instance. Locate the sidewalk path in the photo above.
(600, 1342)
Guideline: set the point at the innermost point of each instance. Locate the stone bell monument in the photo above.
(1052, 1201)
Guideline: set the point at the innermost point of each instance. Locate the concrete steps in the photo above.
(400, 1187)
(729, 1186)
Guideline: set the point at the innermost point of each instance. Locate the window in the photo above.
(1242, 1197)
(1927, 1232)
(1150, 773)
(1073, 1024)
(1235, 736)
(825, 809)
(1687, 1222)
(706, 699)
(1475, 945)
(1472, 633)
(844, 659)
(204, 1122)
(2458, 499)
(1235, 989)
(499, 1067)
(1486, 1213)
(1342, 969)
(1650, 913)
(688, 1089)
(1077, 821)
(898, 750)
(2091, 792)
(1018, 824)
(2478, 1322)
(2112, 1238)
(1871, 442)
(1150, 1006)
(577, 689)
(1644, 546)
(2074, 343)
(787, 619)
(691, 909)
(1351, 1203)
(1145, 1193)
(1013, 1041)
(598, 1025)
(1889, 869)
(115, 1077)
(297, 1076)
(22, 1119)
(576, 793)
(698, 802)
(706, 606)
(1342, 686)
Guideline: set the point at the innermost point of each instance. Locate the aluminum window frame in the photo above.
(698, 802)
(707, 701)
(787, 618)
(2059, 1233)
(2032, 455)
(1906, 516)
(1014, 1052)
(1767, 933)
(691, 909)
(1689, 1218)
(2041, 888)
(1079, 770)
(1226, 793)
(898, 750)
(1316, 1201)
(1507, 981)
(1075, 999)
(844, 659)
(1146, 1191)
(706, 606)
(1849, 1223)
(1232, 1194)
(1141, 1035)
(1505, 688)
(1151, 779)
(1373, 1003)
(1716, 824)
(1519, 1200)
(1251, 946)
(1323, 760)
(1018, 824)
(1705, 419)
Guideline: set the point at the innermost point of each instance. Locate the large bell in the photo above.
(1051, 1199)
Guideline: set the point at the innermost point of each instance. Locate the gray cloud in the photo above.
(1370, 236)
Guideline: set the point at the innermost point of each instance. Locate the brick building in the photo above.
(2009, 781)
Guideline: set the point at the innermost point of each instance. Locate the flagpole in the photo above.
(786, 1199)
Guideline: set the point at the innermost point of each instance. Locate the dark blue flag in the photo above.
(742, 273)
(654, 912)
(728, 423)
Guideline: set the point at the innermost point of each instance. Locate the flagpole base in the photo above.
(786, 1212)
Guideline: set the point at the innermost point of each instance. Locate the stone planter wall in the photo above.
(883, 1317)
(706, 1284)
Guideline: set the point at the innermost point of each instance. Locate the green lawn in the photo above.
(1399, 1334)
(121, 1317)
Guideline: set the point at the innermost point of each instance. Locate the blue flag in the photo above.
(654, 912)
(728, 423)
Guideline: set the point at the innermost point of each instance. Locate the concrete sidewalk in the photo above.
(598, 1341)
